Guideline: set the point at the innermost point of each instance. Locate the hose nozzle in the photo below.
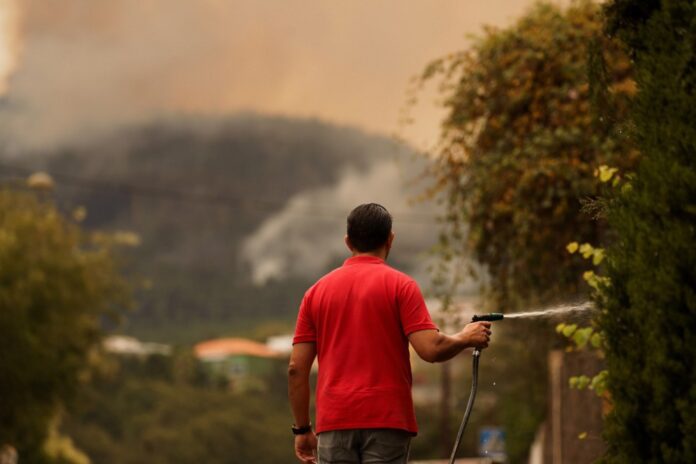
(490, 317)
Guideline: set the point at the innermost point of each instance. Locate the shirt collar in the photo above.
(363, 259)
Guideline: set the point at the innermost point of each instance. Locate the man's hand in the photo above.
(305, 447)
(433, 346)
(476, 334)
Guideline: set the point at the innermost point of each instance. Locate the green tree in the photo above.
(519, 146)
(55, 284)
(517, 155)
(131, 413)
(649, 318)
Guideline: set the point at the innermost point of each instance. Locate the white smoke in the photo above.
(307, 235)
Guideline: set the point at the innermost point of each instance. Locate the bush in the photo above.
(55, 285)
(650, 308)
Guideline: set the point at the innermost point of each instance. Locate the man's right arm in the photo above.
(433, 346)
(301, 361)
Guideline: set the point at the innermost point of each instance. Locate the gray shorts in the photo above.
(364, 446)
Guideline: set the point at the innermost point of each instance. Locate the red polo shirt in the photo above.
(360, 315)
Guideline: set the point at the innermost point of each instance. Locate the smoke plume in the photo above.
(306, 237)
(83, 67)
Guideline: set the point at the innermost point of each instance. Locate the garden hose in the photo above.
(474, 384)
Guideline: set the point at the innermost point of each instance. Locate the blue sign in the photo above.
(492, 443)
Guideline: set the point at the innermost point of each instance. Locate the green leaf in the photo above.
(589, 277)
(606, 173)
(569, 329)
(587, 250)
(572, 247)
(596, 340)
(579, 382)
(559, 327)
(598, 256)
(582, 336)
(599, 382)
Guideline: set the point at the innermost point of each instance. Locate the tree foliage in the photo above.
(55, 285)
(650, 303)
(519, 147)
(516, 159)
(162, 410)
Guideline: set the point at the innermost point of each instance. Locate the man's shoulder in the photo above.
(338, 274)
(399, 274)
(323, 280)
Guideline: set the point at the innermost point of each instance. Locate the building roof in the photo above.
(125, 345)
(221, 347)
(280, 343)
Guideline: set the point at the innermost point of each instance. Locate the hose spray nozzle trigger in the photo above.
(490, 317)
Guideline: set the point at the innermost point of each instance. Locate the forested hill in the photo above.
(192, 190)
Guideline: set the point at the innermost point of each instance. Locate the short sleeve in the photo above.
(412, 309)
(305, 330)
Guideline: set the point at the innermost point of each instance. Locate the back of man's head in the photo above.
(369, 226)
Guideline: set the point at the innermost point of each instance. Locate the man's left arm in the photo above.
(300, 366)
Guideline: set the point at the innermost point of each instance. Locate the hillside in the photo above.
(193, 190)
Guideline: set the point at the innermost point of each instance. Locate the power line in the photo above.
(219, 199)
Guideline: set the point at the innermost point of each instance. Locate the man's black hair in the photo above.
(369, 226)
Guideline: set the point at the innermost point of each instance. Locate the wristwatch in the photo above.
(301, 430)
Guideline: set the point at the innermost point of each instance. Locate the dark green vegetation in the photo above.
(193, 190)
(56, 285)
(519, 148)
(650, 317)
(164, 410)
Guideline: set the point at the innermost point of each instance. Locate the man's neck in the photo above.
(381, 254)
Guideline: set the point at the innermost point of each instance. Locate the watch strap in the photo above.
(301, 430)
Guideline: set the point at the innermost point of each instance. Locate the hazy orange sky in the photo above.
(80, 66)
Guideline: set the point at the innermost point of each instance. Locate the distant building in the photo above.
(124, 345)
(280, 343)
(240, 362)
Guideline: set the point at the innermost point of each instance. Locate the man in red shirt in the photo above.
(359, 320)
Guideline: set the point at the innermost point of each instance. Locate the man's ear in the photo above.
(387, 246)
(390, 240)
(348, 244)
